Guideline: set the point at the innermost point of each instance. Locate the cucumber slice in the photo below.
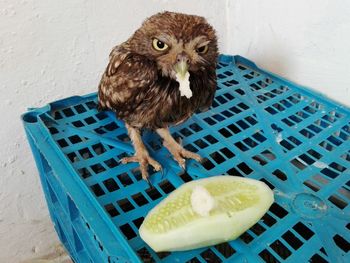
(206, 212)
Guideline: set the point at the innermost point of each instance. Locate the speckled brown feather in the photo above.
(138, 83)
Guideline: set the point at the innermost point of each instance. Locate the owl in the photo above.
(158, 78)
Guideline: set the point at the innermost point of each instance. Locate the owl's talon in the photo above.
(144, 160)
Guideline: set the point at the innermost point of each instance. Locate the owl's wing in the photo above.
(127, 74)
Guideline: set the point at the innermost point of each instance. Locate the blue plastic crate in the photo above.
(260, 126)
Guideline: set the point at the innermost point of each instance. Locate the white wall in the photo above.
(54, 49)
(304, 40)
(51, 50)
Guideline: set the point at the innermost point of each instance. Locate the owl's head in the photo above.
(177, 43)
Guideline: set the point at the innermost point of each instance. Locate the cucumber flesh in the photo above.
(206, 212)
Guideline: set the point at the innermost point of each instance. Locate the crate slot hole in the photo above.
(53, 130)
(240, 91)
(268, 154)
(244, 168)
(166, 186)
(125, 205)
(56, 115)
(259, 137)
(236, 110)
(334, 140)
(195, 127)
(209, 256)
(207, 164)
(97, 168)
(316, 258)
(342, 243)
(251, 143)
(281, 249)
(241, 146)
(221, 99)
(292, 240)
(288, 122)
(227, 153)
(278, 210)
(101, 115)
(145, 255)
(338, 201)
(125, 179)
(85, 153)
(330, 173)
(268, 183)
(225, 249)
(210, 139)
(233, 171)
(186, 132)
(127, 231)
(139, 199)
(162, 255)
(268, 220)
(80, 108)
(218, 117)
(217, 157)
(155, 145)
(68, 112)
(96, 188)
(337, 167)
(111, 163)
(242, 124)
(111, 185)
(224, 132)
(84, 172)
(75, 139)
(62, 143)
(111, 126)
(90, 120)
(73, 157)
(271, 110)
(257, 229)
(77, 124)
(91, 105)
(201, 144)
(314, 154)
(100, 130)
(303, 230)
(310, 184)
(231, 83)
(298, 163)
(246, 238)
(280, 175)
(153, 193)
(210, 121)
(268, 257)
(185, 177)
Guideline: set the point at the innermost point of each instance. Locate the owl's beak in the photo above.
(181, 67)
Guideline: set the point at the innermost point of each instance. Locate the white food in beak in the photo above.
(184, 84)
(201, 201)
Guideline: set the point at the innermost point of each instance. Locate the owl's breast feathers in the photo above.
(133, 87)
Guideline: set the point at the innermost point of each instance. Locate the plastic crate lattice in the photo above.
(260, 126)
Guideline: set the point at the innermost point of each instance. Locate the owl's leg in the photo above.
(141, 154)
(178, 152)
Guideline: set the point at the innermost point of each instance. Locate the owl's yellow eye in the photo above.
(202, 49)
(159, 45)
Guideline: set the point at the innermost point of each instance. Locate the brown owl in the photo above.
(159, 77)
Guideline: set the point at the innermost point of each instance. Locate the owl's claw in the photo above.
(180, 155)
(144, 160)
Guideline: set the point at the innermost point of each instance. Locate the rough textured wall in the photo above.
(306, 41)
(51, 50)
